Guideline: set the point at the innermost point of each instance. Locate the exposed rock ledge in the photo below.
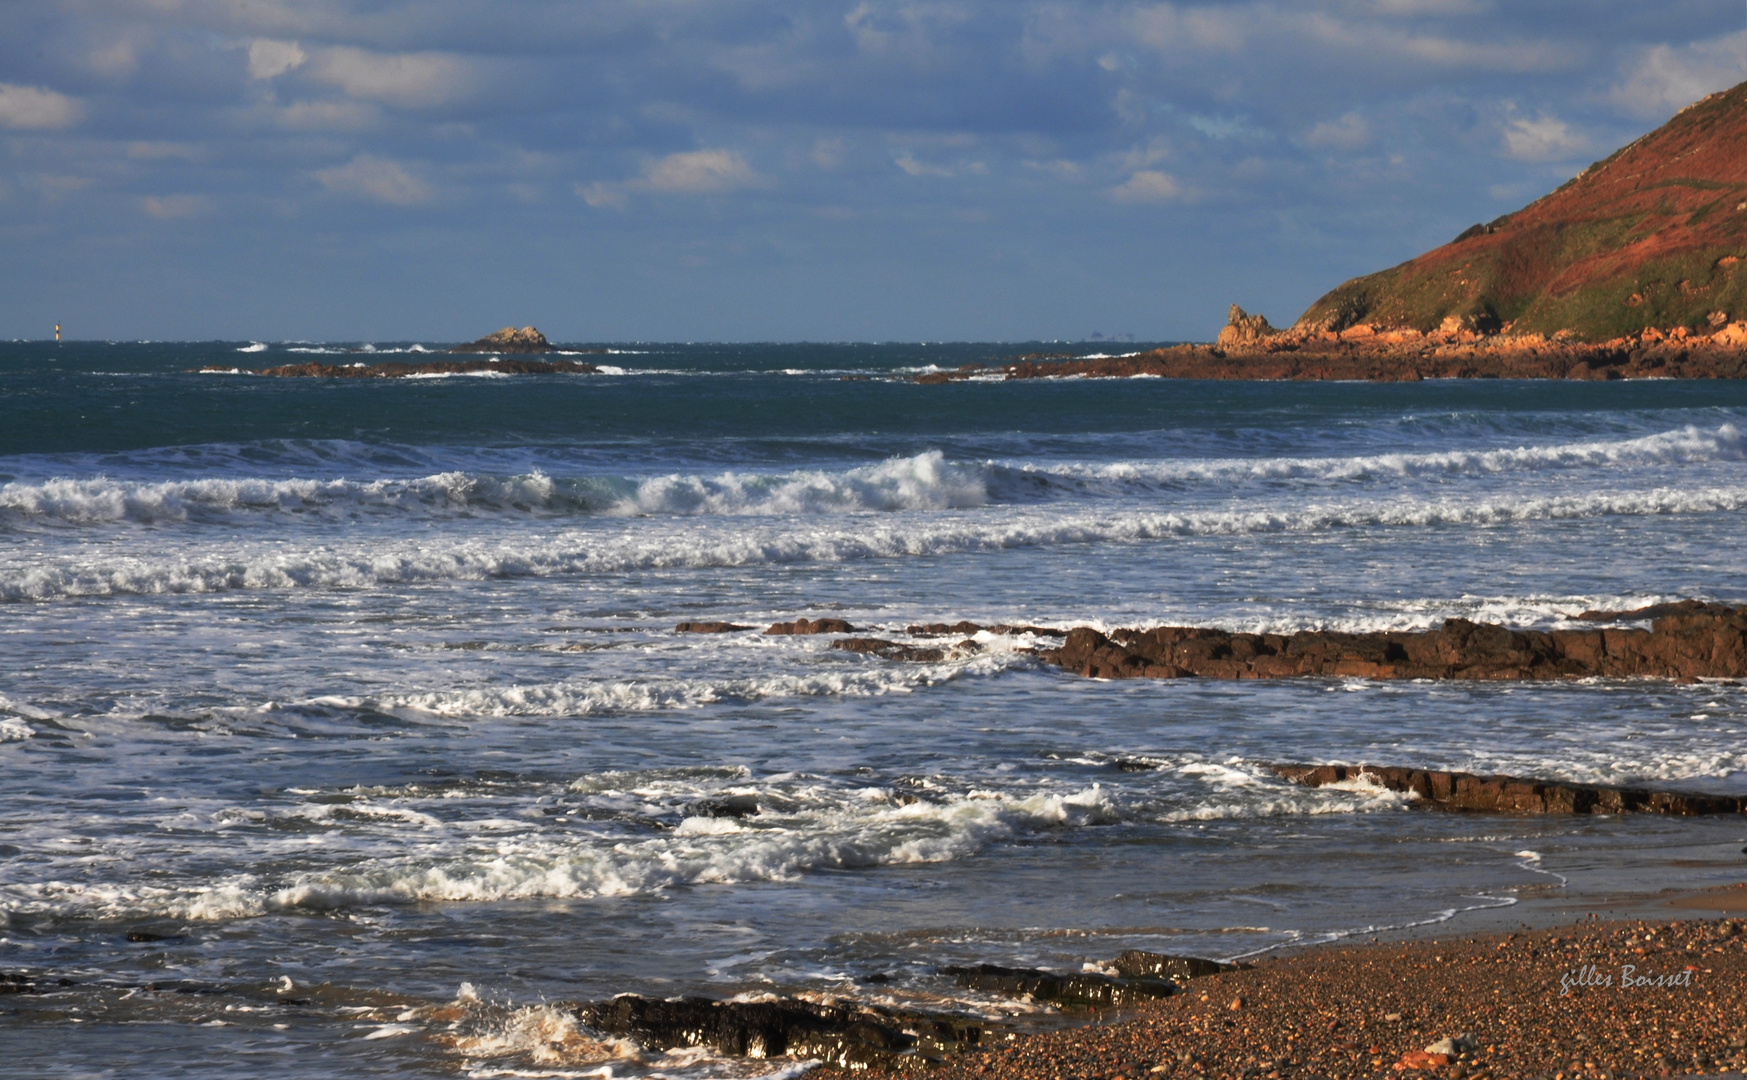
(855, 1036)
(1249, 349)
(1692, 641)
(1516, 794)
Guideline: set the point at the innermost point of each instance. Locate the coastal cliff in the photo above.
(1630, 270)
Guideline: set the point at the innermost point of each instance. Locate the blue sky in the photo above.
(751, 170)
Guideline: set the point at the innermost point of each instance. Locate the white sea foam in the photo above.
(256, 346)
(664, 694)
(1685, 445)
(374, 563)
(923, 482)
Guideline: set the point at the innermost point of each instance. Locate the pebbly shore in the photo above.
(1532, 1005)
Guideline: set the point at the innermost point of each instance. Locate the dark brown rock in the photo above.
(708, 628)
(1150, 965)
(1689, 642)
(1656, 611)
(892, 650)
(1083, 990)
(816, 626)
(1517, 794)
(841, 1033)
(966, 627)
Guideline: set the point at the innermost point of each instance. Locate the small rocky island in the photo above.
(509, 340)
(1632, 270)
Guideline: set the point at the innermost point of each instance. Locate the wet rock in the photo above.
(1687, 641)
(841, 1033)
(1083, 990)
(724, 806)
(967, 627)
(1516, 794)
(1150, 965)
(893, 650)
(708, 628)
(815, 626)
(1656, 611)
(13, 983)
(508, 340)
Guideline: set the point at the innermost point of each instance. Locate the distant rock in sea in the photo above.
(508, 340)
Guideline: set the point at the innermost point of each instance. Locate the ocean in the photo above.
(344, 730)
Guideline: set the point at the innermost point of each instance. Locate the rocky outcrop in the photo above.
(1516, 794)
(963, 627)
(508, 340)
(1243, 329)
(1150, 965)
(1705, 642)
(1083, 990)
(399, 369)
(841, 1033)
(815, 626)
(1366, 353)
(708, 628)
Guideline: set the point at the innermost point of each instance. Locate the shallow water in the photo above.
(358, 707)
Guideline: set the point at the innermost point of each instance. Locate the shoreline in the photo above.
(1373, 1008)
(1367, 354)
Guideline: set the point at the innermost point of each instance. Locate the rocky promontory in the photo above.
(1632, 270)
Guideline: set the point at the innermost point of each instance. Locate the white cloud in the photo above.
(914, 166)
(371, 177)
(1663, 78)
(698, 172)
(1348, 133)
(691, 172)
(37, 108)
(1146, 186)
(165, 207)
(269, 59)
(407, 79)
(598, 195)
(1545, 138)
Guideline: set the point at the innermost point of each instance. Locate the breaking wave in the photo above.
(365, 564)
(925, 481)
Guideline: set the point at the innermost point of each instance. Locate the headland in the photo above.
(1631, 270)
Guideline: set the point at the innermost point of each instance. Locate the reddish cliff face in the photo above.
(1651, 237)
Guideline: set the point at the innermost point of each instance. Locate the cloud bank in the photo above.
(746, 169)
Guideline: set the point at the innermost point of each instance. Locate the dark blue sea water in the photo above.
(344, 730)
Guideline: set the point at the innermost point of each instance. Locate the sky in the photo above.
(749, 170)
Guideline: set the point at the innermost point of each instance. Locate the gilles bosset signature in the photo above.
(1629, 979)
